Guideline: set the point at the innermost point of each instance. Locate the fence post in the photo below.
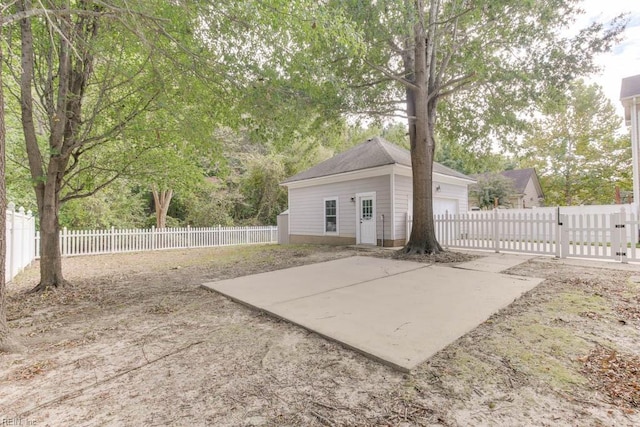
(558, 233)
(153, 237)
(614, 231)
(188, 236)
(63, 242)
(564, 236)
(496, 231)
(22, 238)
(619, 236)
(445, 228)
(9, 248)
(624, 236)
(31, 237)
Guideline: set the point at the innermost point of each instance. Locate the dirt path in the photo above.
(136, 341)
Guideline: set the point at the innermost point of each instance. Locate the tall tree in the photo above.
(4, 327)
(576, 148)
(86, 73)
(420, 55)
(492, 190)
(8, 342)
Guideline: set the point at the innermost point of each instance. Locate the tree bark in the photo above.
(47, 186)
(64, 111)
(161, 199)
(422, 116)
(8, 343)
(50, 254)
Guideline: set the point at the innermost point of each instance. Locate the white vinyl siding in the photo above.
(453, 192)
(447, 195)
(305, 217)
(530, 197)
(331, 210)
(404, 194)
(307, 207)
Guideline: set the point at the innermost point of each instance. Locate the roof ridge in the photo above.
(373, 152)
(383, 145)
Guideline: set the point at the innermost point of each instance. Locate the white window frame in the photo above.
(324, 216)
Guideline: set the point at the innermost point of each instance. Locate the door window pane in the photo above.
(367, 208)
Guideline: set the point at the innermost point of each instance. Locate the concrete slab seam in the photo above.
(351, 285)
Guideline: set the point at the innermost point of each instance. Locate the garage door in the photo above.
(442, 206)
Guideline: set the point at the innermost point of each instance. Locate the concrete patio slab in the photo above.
(495, 263)
(401, 317)
(265, 289)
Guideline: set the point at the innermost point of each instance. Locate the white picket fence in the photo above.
(611, 235)
(94, 242)
(20, 235)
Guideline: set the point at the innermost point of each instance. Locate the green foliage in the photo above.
(493, 61)
(470, 158)
(252, 92)
(576, 148)
(209, 205)
(116, 206)
(490, 188)
(262, 198)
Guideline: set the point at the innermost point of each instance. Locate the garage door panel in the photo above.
(442, 206)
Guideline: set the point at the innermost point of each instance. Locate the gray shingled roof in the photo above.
(372, 153)
(630, 87)
(520, 177)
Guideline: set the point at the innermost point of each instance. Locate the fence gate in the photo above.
(576, 235)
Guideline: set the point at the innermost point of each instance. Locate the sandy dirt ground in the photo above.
(135, 341)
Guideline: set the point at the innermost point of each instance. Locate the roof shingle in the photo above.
(372, 153)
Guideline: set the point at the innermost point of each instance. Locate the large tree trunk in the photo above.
(47, 186)
(67, 80)
(161, 199)
(8, 342)
(50, 254)
(421, 114)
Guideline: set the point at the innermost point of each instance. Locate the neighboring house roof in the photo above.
(372, 153)
(520, 179)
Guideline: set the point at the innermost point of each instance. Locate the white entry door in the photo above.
(367, 219)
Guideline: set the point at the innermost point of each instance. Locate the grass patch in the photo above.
(577, 302)
(225, 256)
(546, 352)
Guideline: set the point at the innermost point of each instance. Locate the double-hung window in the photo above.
(331, 215)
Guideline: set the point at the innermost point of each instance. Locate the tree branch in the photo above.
(369, 84)
(34, 155)
(392, 76)
(457, 83)
(89, 193)
(32, 13)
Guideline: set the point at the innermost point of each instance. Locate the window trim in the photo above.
(324, 216)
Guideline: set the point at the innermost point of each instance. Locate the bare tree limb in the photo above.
(32, 13)
(457, 83)
(392, 76)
